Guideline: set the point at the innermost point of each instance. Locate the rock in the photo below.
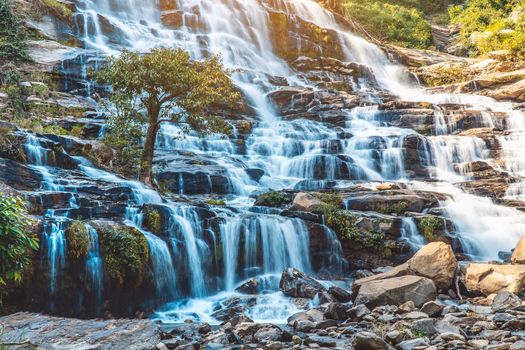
(305, 326)
(432, 309)
(369, 341)
(48, 332)
(491, 278)
(518, 256)
(505, 300)
(305, 201)
(270, 333)
(358, 312)
(435, 261)
(412, 343)
(295, 283)
(519, 345)
(396, 291)
(340, 294)
(161, 346)
(406, 307)
(414, 315)
(336, 311)
(249, 287)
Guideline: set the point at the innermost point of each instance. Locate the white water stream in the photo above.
(293, 154)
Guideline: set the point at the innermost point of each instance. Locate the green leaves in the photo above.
(12, 36)
(16, 239)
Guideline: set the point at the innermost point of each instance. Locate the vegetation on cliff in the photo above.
(17, 240)
(12, 36)
(170, 87)
(126, 255)
(488, 25)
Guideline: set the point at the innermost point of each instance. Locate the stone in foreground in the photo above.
(63, 333)
(296, 284)
(396, 291)
(491, 278)
(518, 256)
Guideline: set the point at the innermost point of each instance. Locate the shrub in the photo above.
(152, 221)
(77, 236)
(485, 26)
(12, 35)
(333, 199)
(126, 255)
(16, 239)
(390, 22)
(430, 226)
(273, 199)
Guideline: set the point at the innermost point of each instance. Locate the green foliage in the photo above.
(11, 147)
(77, 235)
(126, 255)
(391, 22)
(53, 8)
(274, 199)
(215, 202)
(333, 199)
(12, 36)
(344, 223)
(169, 87)
(152, 221)
(16, 239)
(430, 226)
(486, 26)
(445, 76)
(392, 208)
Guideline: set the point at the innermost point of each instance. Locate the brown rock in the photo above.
(518, 256)
(305, 201)
(491, 278)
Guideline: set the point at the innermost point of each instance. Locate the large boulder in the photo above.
(518, 256)
(491, 278)
(297, 284)
(396, 291)
(435, 261)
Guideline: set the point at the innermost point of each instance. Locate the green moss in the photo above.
(333, 199)
(392, 208)
(430, 226)
(273, 199)
(77, 131)
(445, 76)
(77, 236)
(152, 221)
(215, 202)
(56, 9)
(126, 255)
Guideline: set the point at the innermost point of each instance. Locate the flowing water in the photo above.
(199, 267)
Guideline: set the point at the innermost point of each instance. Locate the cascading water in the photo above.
(300, 154)
(95, 270)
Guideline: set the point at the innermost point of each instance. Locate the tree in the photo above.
(166, 85)
(16, 239)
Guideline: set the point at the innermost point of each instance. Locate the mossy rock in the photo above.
(329, 198)
(274, 199)
(152, 221)
(431, 227)
(215, 202)
(126, 254)
(77, 236)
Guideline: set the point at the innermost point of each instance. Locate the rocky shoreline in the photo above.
(429, 302)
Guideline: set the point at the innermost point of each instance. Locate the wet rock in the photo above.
(249, 287)
(268, 333)
(369, 341)
(505, 300)
(357, 312)
(305, 326)
(55, 332)
(395, 291)
(336, 311)
(519, 345)
(295, 283)
(491, 278)
(518, 256)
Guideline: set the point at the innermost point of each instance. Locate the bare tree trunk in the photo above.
(146, 164)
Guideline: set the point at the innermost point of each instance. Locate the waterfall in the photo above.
(95, 270)
(54, 249)
(263, 245)
(410, 233)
